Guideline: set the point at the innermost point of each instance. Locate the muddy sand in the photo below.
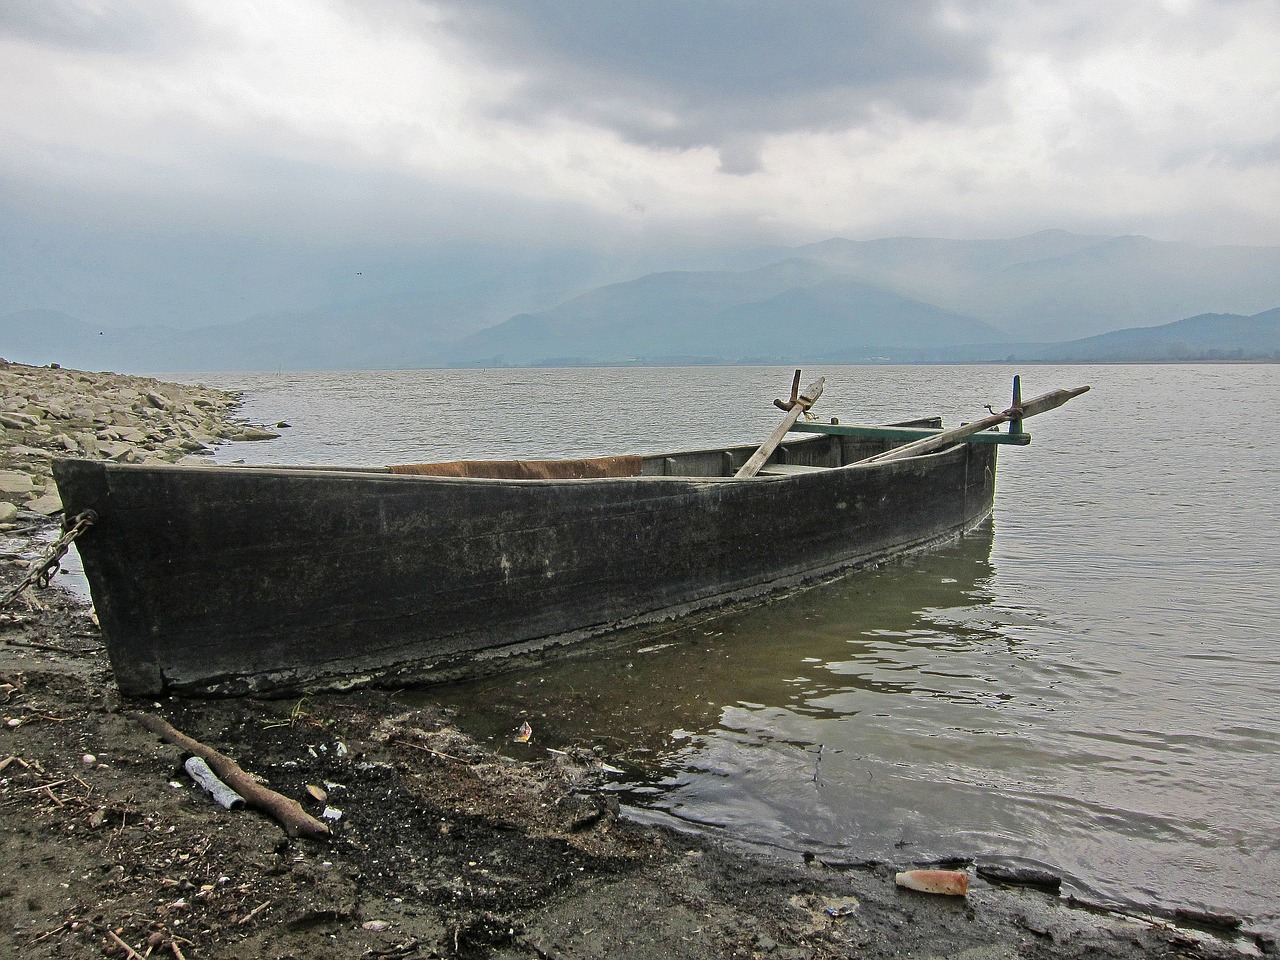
(438, 847)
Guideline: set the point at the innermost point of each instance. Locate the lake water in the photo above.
(1090, 683)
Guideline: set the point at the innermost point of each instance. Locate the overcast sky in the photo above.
(533, 120)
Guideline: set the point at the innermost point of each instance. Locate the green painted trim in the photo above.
(904, 434)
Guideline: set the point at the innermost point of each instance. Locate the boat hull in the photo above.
(211, 580)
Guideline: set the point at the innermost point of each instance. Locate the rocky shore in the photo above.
(438, 847)
(49, 412)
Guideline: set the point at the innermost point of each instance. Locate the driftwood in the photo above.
(284, 810)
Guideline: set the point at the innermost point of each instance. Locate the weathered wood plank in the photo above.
(788, 469)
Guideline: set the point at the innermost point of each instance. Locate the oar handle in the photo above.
(798, 404)
(1047, 401)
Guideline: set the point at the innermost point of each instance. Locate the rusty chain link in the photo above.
(45, 570)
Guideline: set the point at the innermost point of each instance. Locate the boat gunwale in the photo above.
(385, 473)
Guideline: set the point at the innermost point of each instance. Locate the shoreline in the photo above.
(443, 848)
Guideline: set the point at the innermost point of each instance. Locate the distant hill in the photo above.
(1059, 286)
(1210, 336)
(795, 309)
(898, 300)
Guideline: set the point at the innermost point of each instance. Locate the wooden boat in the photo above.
(236, 580)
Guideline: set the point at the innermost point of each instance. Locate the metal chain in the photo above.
(45, 570)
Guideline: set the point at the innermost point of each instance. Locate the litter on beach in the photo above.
(951, 883)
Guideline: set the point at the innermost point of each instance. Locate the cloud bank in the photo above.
(546, 121)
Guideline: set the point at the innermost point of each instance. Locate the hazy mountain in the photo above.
(658, 315)
(1210, 336)
(785, 312)
(844, 320)
(1056, 285)
(897, 299)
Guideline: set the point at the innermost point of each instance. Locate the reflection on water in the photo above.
(1092, 684)
(809, 652)
(813, 654)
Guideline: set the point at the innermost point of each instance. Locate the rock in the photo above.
(21, 450)
(114, 449)
(254, 433)
(18, 421)
(13, 483)
(7, 511)
(47, 504)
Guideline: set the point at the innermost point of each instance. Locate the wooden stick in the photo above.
(128, 950)
(254, 912)
(434, 753)
(802, 403)
(1040, 404)
(285, 810)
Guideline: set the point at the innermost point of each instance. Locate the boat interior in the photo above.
(804, 454)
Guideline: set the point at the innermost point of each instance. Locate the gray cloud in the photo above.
(546, 121)
(122, 26)
(724, 73)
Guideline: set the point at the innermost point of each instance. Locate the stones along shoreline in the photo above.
(49, 412)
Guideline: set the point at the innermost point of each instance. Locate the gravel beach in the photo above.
(437, 847)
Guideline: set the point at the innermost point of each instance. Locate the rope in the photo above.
(45, 570)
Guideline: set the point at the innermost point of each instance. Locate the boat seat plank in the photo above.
(788, 469)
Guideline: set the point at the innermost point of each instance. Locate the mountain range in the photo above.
(1053, 296)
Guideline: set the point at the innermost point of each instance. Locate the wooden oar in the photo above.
(798, 404)
(1048, 401)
